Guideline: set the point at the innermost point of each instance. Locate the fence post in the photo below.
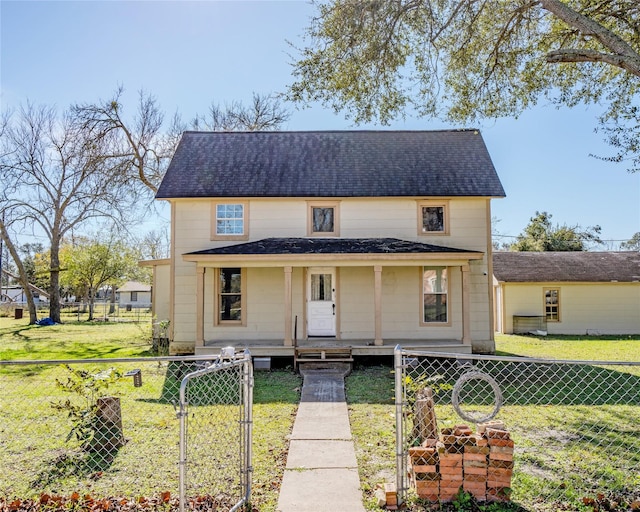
(248, 420)
(182, 462)
(399, 398)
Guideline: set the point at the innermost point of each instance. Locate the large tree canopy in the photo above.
(463, 60)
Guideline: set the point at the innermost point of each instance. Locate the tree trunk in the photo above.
(54, 286)
(112, 300)
(92, 298)
(22, 273)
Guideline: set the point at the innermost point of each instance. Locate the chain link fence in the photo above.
(215, 430)
(551, 434)
(102, 310)
(112, 428)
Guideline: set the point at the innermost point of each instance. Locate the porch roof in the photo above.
(333, 249)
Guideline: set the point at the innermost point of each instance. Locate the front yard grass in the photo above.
(544, 434)
(370, 396)
(35, 456)
(73, 340)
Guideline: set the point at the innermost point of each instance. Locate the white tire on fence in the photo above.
(468, 378)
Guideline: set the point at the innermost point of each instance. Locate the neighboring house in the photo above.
(567, 292)
(362, 239)
(15, 293)
(134, 294)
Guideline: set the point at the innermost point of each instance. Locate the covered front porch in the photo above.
(282, 297)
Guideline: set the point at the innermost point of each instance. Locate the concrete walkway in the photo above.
(321, 473)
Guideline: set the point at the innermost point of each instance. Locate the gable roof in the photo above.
(578, 266)
(331, 164)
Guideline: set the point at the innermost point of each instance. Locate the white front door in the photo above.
(321, 302)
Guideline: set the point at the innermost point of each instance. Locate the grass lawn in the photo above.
(148, 460)
(32, 433)
(583, 348)
(558, 446)
(73, 340)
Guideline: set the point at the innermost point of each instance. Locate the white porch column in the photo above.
(466, 306)
(200, 306)
(377, 273)
(288, 340)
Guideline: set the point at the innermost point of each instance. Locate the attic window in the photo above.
(323, 219)
(433, 218)
(229, 221)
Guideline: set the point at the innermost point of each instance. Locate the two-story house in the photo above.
(361, 239)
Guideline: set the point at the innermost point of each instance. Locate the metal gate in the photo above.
(216, 431)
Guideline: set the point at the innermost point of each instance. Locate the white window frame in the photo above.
(215, 235)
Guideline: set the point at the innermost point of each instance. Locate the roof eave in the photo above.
(334, 259)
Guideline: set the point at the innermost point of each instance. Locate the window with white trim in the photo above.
(229, 221)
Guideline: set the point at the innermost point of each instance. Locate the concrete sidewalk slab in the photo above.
(322, 420)
(321, 454)
(321, 490)
(321, 473)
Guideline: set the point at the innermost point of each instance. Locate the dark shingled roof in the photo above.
(331, 164)
(576, 266)
(330, 246)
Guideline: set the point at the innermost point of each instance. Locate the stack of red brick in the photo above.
(480, 463)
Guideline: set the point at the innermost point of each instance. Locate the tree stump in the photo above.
(425, 425)
(108, 435)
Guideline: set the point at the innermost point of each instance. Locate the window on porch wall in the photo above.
(230, 295)
(435, 291)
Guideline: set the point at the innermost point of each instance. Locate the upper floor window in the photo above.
(552, 304)
(323, 219)
(229, 221)
(435, 292)
(433, 218)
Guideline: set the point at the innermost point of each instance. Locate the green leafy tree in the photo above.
(463, 60)
(633, 244)
(541, 235)
(94, 263)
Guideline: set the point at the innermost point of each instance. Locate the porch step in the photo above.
(322, 354)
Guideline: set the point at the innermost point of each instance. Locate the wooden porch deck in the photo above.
(358, 348)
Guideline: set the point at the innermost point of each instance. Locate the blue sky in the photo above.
(190, 53)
